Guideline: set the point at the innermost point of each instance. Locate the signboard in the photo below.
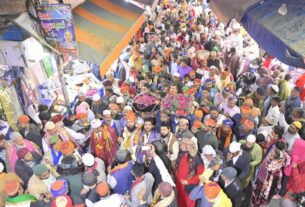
(56, 21)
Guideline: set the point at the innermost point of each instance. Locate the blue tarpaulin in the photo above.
(282, 36)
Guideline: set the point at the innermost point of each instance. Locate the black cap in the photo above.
(44, 116)
(89, 179)
(261, 91)
(158, 147)
(68, 162)
(121, 156)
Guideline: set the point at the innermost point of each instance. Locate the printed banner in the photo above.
(56, 21)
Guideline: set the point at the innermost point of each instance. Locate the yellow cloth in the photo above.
(284, 90)
(205, 176)
(8, 108)
(297, 124)
(243, 31)
(222, 200)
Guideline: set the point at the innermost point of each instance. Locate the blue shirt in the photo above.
(198, 193)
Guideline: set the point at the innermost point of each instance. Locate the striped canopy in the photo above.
(103, 28)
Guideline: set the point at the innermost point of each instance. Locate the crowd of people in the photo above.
(185, 120)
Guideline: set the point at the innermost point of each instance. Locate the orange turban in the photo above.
(210, 122)
(130, 116)
(197, 124)
(102, 189)
(12, 188)
(157, 69)
(81, 116)
(246, 110)
(197, 80)
(24, 119)
(124, 87)
(192, 72)
(230, 86)
(248, 102)
(167, 51)
(192, 91)
(199, 114)
(67, 148)
(249, 123)
(212, 190)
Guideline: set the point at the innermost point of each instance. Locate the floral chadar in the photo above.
(179, 105)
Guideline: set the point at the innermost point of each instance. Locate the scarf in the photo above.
(63, 134)
(21, 199)
(132, 138)
(119, 167)
(92, 168)
(194, 162)
(13, 152)
(228, 138)
(137, 181)
(55, 157)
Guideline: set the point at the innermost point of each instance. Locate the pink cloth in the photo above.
(13, 154)
(81, 110)
(64, 135)
(297, 155)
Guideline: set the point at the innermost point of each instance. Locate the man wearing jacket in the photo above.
(237, 158)
(231, 185)
(256, 154)
(40, 183)
(119, 177)
(141, 186)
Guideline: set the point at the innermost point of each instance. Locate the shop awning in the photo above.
(103, 28)
(227, 9)
(282, 36)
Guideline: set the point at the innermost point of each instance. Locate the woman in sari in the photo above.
(269, 176)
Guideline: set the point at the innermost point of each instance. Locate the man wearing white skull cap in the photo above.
(256, 154)
(96, 123)
(98, 106)
(237, 158)
(114, 82)
(103, 141)
(106, 112)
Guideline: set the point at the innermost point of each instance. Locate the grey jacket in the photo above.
(146, 184)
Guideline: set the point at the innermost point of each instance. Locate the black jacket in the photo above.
(91, 195)
(204, 139)
(153, 169)
(234, 191)
(24, 171)
(75, 187)
(242, 165)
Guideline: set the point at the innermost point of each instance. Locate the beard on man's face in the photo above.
(164, 135)
(131, 129)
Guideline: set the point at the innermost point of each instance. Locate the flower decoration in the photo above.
(179, 104)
